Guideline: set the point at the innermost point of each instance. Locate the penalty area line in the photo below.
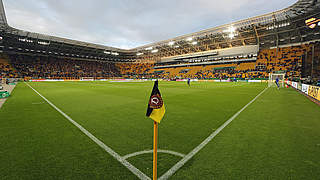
(123, 161)
(186, 158)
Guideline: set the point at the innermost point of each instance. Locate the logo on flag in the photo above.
(155, 101)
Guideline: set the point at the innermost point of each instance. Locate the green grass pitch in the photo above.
(276, 137)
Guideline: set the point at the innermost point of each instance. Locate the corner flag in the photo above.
(156, 107)
(156, 112)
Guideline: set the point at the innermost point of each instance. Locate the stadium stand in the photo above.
(286, 59)
(279, 41)
(129, 70)
(6, 70)
(316, 72)
(56, 68)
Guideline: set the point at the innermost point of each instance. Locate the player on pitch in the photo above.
(277, 82)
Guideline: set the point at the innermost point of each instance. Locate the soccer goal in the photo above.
(274, 76)
(87, 79)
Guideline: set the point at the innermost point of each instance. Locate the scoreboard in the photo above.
(313, 22)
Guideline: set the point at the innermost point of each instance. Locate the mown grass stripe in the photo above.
(186, 158)
(124, 162)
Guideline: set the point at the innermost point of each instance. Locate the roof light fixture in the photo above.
(154, 51)
(171, 43)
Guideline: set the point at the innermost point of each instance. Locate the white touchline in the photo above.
(128, 165)
(151, 151)
(186, 158)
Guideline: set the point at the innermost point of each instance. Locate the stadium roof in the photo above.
(273, 28)
(299, 8)
(4, 24)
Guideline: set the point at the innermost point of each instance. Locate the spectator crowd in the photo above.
(294, 61)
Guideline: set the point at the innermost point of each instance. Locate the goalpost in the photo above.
(274, 76)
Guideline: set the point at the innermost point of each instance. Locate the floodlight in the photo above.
(194, 43)
(148, 48)
(138, 54)
(171, 43)
(231, 29)
(155, 51)
(231, 35)
(189, 39)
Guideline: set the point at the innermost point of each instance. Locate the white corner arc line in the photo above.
(151, 151)
(124, 162)
(186, 158)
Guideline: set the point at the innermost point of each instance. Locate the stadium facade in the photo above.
(238, 42)
(278, 28)
(97, 130)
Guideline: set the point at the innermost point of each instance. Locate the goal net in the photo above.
(273, 77)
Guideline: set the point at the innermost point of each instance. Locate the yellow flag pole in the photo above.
(155, 148)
